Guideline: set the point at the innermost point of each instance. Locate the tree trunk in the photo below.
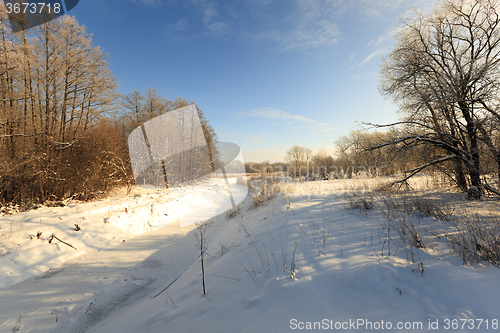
(459, 174)
(476, 189)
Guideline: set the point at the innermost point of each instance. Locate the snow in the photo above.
(152, 281)
(103, 225)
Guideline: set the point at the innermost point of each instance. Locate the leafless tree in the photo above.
(133, 114)
(444, 74)
(298, 157)
(202, 244)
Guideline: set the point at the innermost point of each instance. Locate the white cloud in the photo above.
(371, 56)
(328, 129)
(300, 25)
(210, 12)
(172, 31)
(273, 113)
(219, 28)
(324, 33)
(316, 20)
(211, 18)
(181, 24)
(287, 119)
(378, 40)
(311, 25)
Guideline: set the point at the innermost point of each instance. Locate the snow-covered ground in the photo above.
(300, 261)
(100, 225)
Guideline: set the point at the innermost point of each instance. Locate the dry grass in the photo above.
(433, 208)
(471, 228)
(363, 203)
(232, 212)
(267, 190)
(399, 230)
(11, 239)
(476, 237)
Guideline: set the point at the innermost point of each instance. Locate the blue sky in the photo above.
(268, 74)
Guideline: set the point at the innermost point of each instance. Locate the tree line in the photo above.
(63, 122)
(365, 154)
(353, 158)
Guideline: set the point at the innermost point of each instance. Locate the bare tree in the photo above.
(155, 104)
(133, 114)
(200, 237)
(444, 74)
(298, 157)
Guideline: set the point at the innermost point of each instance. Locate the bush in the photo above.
(86, 169)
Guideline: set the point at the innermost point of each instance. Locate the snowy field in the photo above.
(301, 261)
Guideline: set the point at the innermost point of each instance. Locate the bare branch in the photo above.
(413, 172)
